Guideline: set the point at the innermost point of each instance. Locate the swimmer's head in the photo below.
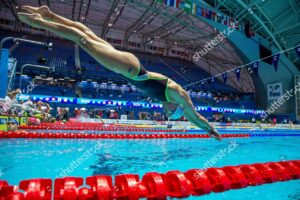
(12, 124)
(14, 93)
(173, 111)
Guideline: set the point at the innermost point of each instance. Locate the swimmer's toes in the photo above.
(29, 9)
(44, 11)
(29, 18)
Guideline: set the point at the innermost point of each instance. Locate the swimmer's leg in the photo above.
(46, 13)
(122, 62)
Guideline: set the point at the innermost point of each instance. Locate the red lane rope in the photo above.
(100, 128)
(40, 135)
(153, 185)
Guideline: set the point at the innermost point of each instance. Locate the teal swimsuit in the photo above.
(154, 87)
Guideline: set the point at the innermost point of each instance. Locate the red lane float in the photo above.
(95, 126)
(153, 185)
(41, 135)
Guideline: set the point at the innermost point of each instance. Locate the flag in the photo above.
(224, 76)
(232, 23)
(250, 70)
(219, 18)
(209, 14)
(194, 9)
(298, 50)
(188, 6)
(236, 24)
(170, 3)
(255, 67)
(204, 12)
(177, 3)
(225, 20)
(275, 60)
(181, 3)
(238, 73)
(240, 27)
(199, 11)
(213, 15)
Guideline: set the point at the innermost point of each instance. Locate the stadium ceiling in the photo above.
(278, 21)
(149, 23)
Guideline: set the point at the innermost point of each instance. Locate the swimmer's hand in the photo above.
(213, 133)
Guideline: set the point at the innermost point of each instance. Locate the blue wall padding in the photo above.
(3, 72)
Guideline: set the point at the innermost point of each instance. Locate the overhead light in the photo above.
(110, 24)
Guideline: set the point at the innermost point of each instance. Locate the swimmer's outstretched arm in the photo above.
(181, 97)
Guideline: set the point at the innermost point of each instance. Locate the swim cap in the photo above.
(13, 121)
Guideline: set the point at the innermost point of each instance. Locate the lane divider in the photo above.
(153, 185)
(70, 135)
(38, 135)
(101, 128)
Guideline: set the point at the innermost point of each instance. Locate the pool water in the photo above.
(52, 158)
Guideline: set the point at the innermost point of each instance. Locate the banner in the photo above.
(238, 73)
(298, 50)
(202, 85)
(255, 67)
(213, 80)
(224, 75)
(275, 60)
(4, 72)
(274, 91)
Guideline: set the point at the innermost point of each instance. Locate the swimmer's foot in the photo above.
(44, 11)
(31, 19)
